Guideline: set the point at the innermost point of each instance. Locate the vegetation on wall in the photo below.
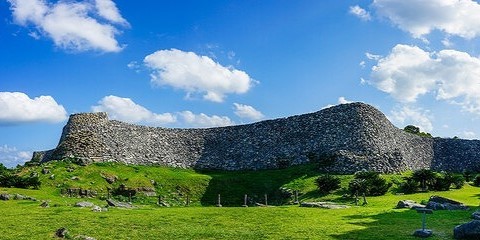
(416, 130)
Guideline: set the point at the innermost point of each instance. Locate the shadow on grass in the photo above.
(232, 186)
(400, 224)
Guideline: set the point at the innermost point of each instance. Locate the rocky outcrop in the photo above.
(344, 138)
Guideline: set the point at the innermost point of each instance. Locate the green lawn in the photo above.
(25, 219)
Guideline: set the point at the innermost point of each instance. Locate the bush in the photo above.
(441, 183)
(327, 183)
(425, 177)
(458, 181)
(370, 183)
(476, 181)
(409, 185)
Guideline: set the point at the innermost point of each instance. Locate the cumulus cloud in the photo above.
(11, 156)
(420, 17)
(17, 107)
(409, 72)
(202, 120)
(468, 134)
(124, 109)
(75, 26)
(109, 11)
(341, 100)
(360, 13)
(372, 56)
(408, 115)
(248, 112)
(196, 74)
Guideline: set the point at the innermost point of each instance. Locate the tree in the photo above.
(327, 183)
(412, 129)
(425, 177)
(369, 183)
(416, 130)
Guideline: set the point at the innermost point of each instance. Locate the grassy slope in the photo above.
(26, 220)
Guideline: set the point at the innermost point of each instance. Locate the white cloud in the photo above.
(196, 74)
(18, 108)
(372, 56)
(405, 73)
(360, 13)
(248, 112)
(408, 72)
(447, 43)
(11, 157)
(408, 115)
(72, 25)
(124, 109)
(468, 134)
(341, 100)
(420, 17)
(108, 10)
(203, 120)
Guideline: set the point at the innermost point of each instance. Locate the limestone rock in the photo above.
(423, 233)
(441, 203)
(409, 204)
(328, 205)
(470, 230)
(44, 204)
(476, 215)
(84, 204)
(114, 203)
(4, 196)
(61, 232)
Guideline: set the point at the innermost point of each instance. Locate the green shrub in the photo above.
(441, 183)
(409, 185)
(458, 181)
(370, 183)
(476, 181)
(327, 183)
(425, 177)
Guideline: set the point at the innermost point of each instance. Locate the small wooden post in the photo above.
(188, 200)
(160, 199)
(245, 201)
(296, 197)
(266, 200)
(130, 197)
(219, 203)
(364, 200)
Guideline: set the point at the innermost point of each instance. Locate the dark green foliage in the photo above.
(370, 183)
(409, 185)
(327, 183)
(9, 179)
(425, 177)
(476, 181)
(416, 130)
(458, 181)
(468, 175)
(441, 183)
(412, 129)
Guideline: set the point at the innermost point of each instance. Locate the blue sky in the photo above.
(217, 63)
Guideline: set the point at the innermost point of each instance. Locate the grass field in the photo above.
(25, 219)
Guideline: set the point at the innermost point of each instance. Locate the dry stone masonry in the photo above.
(344, 138)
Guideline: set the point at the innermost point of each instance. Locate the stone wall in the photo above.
(346, 138)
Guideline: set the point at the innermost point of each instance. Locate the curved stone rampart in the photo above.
(347, 138)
